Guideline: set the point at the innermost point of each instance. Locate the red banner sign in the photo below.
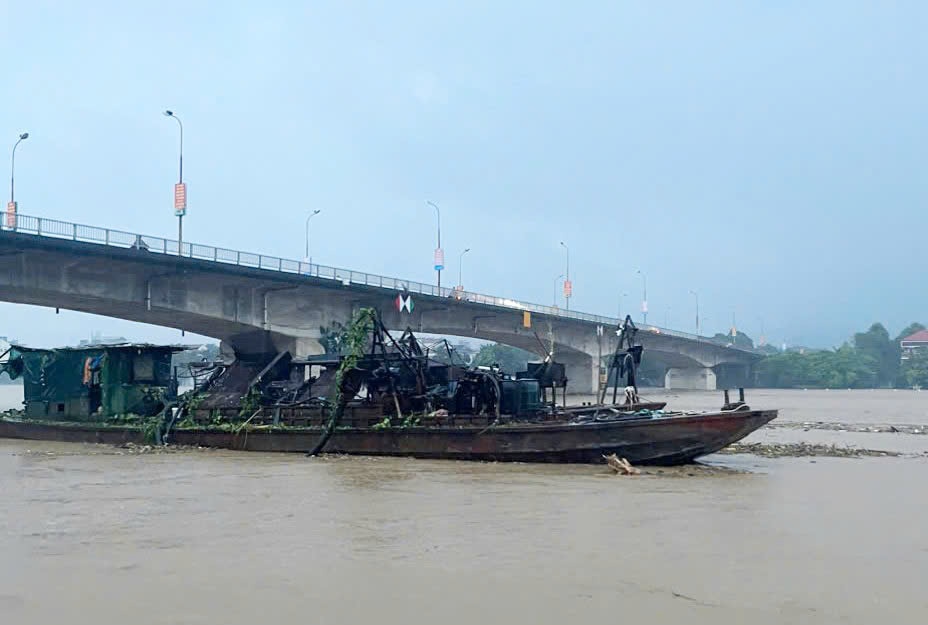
(11, 215)
(180, 198)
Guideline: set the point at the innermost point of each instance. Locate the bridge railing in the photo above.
(53, 228)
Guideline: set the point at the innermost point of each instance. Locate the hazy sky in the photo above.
(770, 155)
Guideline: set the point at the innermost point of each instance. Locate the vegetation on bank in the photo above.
(869, 359)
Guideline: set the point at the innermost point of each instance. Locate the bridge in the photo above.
(258, 304)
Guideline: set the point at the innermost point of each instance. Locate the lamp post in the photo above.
(439, 254)
(696, 295)
(21, 138)
(180, 189)
(307, 257)
(622, 305)
(557, 281)
(568, 287)
(11, 208)
(460, 268)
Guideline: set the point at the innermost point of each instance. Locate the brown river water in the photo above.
(99, 535)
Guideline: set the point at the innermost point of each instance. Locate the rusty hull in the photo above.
(664, 441)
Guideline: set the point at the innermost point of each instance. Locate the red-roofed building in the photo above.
(913, 342)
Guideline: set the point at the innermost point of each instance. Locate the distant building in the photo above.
(913, 342)
(98, 339)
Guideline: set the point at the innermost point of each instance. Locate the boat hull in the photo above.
(663, 441)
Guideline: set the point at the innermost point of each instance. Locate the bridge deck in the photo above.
(61, 230)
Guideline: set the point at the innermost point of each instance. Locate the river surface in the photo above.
(99, 535)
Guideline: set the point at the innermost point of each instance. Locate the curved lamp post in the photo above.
(568, 287)
(622, 305)
(460, 266)
(439, 255)
(11, 209)
(644, 297)
(180, 191)
(696, 295)
(307, 257)
(21, 138)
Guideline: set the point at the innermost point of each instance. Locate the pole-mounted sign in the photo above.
(180, 199)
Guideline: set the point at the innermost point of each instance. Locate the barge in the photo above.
(392, 397)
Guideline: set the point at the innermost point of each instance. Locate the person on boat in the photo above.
(631, 386)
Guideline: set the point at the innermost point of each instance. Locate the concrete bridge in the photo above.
(258, 304)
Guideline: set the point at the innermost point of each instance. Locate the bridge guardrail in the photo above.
(53, 228)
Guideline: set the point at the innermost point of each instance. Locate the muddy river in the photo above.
(99, 535)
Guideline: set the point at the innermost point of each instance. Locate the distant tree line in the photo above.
(870, 359)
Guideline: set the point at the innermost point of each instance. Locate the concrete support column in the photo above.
(226, 352)
(582, 373)
(733, 375)
(691, 378)
(305, 346)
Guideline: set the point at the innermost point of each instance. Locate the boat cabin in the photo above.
(95, 381)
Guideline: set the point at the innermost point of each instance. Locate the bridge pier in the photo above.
(582, 373)
(733, 375)
(298, 346)
(690, 378)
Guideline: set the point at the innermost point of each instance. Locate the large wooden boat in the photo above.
(667, 439)
(390, 398)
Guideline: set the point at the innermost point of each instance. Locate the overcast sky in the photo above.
(769, 155)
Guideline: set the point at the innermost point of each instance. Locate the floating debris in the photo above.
(864, 428)
(620, 465)
(797, 450)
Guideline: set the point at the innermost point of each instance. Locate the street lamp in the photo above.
(439, 254)
(460, 265)
(696, 295)
(11, 209)
(307, 257)
(180, 190)
(557, 281)
(644, 297)
(568, 287)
